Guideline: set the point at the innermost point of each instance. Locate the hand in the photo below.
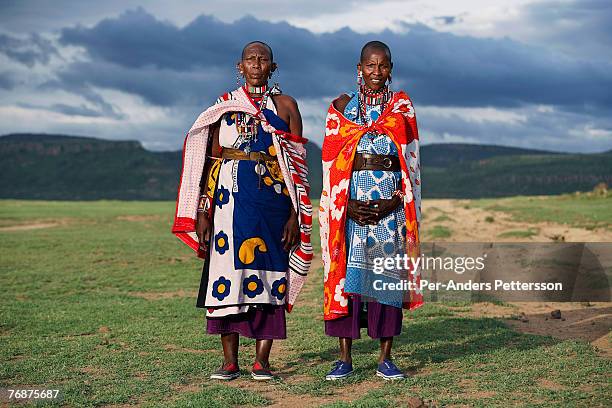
(203, 230)
(291, 232)
(361, 212)
(383, 207)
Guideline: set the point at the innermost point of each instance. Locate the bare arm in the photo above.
(341, 102)
(288, 110)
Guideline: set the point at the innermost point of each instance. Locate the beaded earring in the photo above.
(359, 78)
(238, 80)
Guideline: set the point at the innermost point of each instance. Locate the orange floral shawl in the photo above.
(398, 121)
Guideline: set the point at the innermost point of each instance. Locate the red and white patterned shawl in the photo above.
(291, 155)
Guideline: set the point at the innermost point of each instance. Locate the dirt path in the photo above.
(470, 225)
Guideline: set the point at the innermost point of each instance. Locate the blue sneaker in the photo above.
(340, 370)
(389, 371)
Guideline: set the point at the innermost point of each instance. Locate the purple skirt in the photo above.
(382, 321)
(258, 323)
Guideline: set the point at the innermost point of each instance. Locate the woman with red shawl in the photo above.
(369, 211)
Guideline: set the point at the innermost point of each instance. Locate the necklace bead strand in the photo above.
(246, 125)
(368, 97)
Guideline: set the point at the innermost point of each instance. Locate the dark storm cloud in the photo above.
(84, 90)
(70, 110)
(435, 68)
(44, 15)
(7, 81)
(29, 50)
(446, 69)
(580, 27)
(160, 87)
(80, 110)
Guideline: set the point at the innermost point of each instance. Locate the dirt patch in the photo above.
(604, 345)
(550, 385)
(487, 309)
(471, 224)
(164, 295)
(27, 227)
(183, 388)
(480, 394)
(589, 322)
(85, 334)
(94, 372)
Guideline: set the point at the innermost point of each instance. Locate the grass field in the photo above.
(98, 300)
(586, 210)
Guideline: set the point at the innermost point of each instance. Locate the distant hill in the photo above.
(459, 170)
(533, 174)
(40, 166)
(448, 154)
(84, 168)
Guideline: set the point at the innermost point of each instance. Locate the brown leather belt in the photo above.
(237, 154)
(368, 161)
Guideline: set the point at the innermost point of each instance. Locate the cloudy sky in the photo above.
(524, 73)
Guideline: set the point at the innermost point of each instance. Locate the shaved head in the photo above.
(266, 46)
(375, 46)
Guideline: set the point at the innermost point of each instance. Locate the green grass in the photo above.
(528, 233)
(584, 210)
(71, 318)
(441, 218)
(439, 231)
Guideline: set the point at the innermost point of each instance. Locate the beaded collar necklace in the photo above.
(256, 91)
(368, 97)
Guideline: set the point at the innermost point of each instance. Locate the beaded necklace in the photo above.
(255, 91)
(368, 97)
(246, 125)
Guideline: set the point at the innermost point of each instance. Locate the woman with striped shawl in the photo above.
(253, 217)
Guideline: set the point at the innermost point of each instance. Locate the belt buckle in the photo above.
(387, 163)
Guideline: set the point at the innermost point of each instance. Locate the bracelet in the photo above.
(399, 193)
(204, 204)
